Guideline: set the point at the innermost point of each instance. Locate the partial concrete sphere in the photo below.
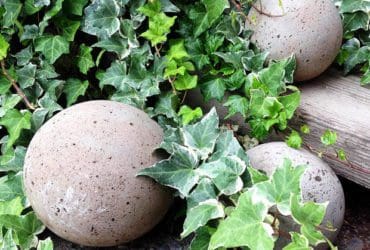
(311, 29)
(80, 174)
(319, 183)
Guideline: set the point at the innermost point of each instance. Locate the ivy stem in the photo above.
(157, 50)
(16, 87)
(240, 10)
(172, 85)
(260, 10)
(184, 97)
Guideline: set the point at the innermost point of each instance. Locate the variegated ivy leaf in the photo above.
(11, 187)
(12, 160)
(101, 18)
(245, 226)
(299, 242)
(309, 215)
(199, 215)
(177, 172)
(202, 136)
(7, 242)
(277, 191)
(205, 190)
(46, 244)
(225, 173)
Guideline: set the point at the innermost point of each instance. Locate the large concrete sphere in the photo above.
(311, 29)
(80, 169)
(319, 182)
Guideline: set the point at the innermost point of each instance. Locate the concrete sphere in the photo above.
(319, 182)
(311, 29)
(80, 174)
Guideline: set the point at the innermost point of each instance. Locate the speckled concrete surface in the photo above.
(80, 174)
(311, 29)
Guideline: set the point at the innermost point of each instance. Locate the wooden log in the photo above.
(342, 105)
(330, 101)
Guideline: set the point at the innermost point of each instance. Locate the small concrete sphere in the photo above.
(319, 182)
(80, 174)
(310, 29)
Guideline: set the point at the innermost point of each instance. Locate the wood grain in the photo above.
(340, 104)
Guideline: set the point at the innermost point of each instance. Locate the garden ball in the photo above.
(310, 29)
(319, 183)
(80, 174)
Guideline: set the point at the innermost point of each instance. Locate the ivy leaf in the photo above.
(30, 32)
(176, 172)
(57, 7)
(305, 129)
(205, 190)
(236, 104)
(299, 242)
(177, 50)
(11, 187)
(101, 18)
(74, 88)
(68, 26)
(213, 89)
(116, 75)
(355, 21)
(273, 77)
(309, 215)
(329, 138)
(284, 181)
(84, 59)
(202, 136)
(26, 228)
(159, 27)
(52, 47)
(244, 227)
(291, 103)
(204, 19)
(202, 238)
(74, 7)
(294, 140)
(186, 82)
(188, 115)
(225, 173)
(167, 104)
(15, 121)
(341, 155)
(351, 6)
(26, 75)
(199, 215)
(7, 242)
(13, 160)
(4, 46)
(24, 56)
(46, 244)
(13, 207)
(254, 62)
(115, 44)
(12, 11)
(8, 101)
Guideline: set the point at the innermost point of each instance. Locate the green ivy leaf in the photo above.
(7, 242)
(52, 47)
(299, 242)
(84, 59)
(352, 6)
(186, 82)
(236, 104)
(309, 215)
(12, 11)
(225, 173)
(26, 75)
(11, 187)
(74, 7)
(329, 138)
(305, 129)
(201, 137)
(188, 115)
(46, 244)
(101, 18)
(202, 238)
(15, 121)
(73, 89)
(115, 44)
(68, 26)
(204, 18)
(26, 227)
(177, 50)
(294, 140)
(199, 215)
(24, 56)
(176, 172)
(4, 46)
(213, 89)
(244, 227)
(13, 160)
(355, 21)
(277, 191)
(13, 207)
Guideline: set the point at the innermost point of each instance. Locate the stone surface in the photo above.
(319, 183)
(80, 169)
(311, 29)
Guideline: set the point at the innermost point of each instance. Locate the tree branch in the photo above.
(16, 87)
(260, 10)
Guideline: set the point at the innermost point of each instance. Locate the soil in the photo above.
(354, 235)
